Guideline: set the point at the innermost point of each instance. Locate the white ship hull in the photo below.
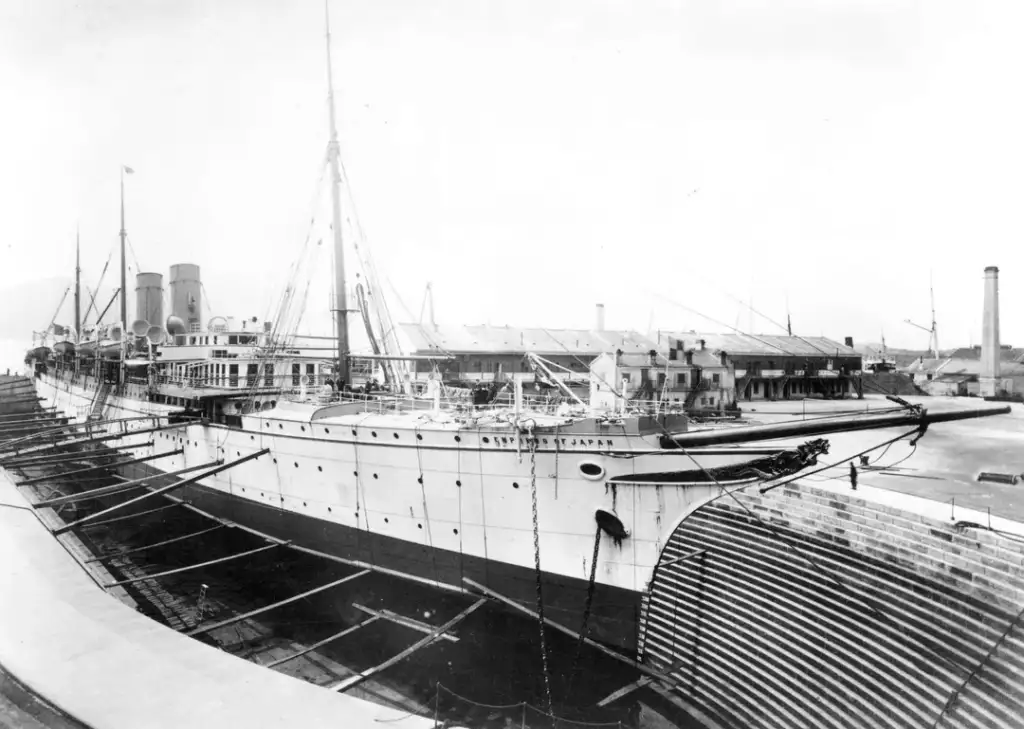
(438, 500)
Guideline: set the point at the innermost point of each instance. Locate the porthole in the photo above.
(281, 426)
(386, 520)
(419, 436)
(252, 437)
(455, 531)
(302, 428)
(591, 471)
(238, 453)
(419, 526)
(515, 485)
(275, 460)
(303, 503)
(373, 433)
(328, 510)
(356, 474)
(375, 475)
(296, 464)
(486, 439)
(458, 483)
(268, 425)
(327, 431)
(396, 436)
(419, 480)
(320, 468)
(353, 431)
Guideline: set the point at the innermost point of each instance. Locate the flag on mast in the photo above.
(128, 169)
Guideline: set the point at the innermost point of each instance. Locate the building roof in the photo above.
(485, 339)
(701, 358)
(768, 345)
(1006, 354)
(961, 366)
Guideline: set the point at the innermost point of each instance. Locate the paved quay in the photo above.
(88, 655)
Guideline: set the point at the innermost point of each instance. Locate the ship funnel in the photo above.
(186, 295)
(149, 298)
(175, 325)
(989, 380)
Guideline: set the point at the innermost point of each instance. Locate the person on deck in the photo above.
(853, 476)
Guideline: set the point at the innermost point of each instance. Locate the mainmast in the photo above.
(78, 287)
(124, 287)
(334, 154)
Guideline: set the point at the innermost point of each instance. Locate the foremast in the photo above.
(78, 288)
(334, 156)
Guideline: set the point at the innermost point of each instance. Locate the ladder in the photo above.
(100, 401)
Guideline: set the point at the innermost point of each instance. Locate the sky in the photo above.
(675, 161)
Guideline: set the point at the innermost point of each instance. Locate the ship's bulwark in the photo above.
(614, 614)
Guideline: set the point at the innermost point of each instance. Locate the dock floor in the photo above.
(95, 659)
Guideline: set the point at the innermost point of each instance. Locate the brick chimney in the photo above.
(689, 356)
(989, 380)
(723, 357)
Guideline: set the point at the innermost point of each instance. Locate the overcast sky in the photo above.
(531, 158)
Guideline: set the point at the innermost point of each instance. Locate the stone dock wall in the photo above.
(815, 607)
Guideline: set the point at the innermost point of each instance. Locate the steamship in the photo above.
(578, 500)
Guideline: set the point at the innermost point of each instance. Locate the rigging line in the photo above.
(727, 326)
(587, 366)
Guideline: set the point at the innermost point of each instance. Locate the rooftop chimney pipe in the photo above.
(600, 318)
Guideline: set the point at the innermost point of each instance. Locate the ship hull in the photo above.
(436, 500)
(614, 615)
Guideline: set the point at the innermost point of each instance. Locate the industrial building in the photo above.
(781, 367)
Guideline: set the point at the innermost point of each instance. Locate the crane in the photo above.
(933, 332)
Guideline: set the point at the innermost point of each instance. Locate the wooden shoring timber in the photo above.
(159, 491)
(143, 548)
(137, 514)
(115, 464)
(41, 411)
(117, 488)
(681, 558)
(238, 618)
(404, 621)
(639, 683)
(357, 679)
(647, 670)
(6, 425)
(319, 643)
(89, 425)
(40, 442)
(100, 439)
(34, 461)
(186, 568)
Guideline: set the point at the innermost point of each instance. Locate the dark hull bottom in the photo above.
(614, 614)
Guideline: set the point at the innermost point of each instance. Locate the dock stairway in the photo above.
(99, 402)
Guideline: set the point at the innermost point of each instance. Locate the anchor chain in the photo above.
(587, 606)
(536, 563)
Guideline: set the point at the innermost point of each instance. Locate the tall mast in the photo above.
(334, 154)
(124, 287)
(78, 287)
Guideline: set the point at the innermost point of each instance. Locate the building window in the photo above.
(716, 379)
(251, 373)
(311, 373)
(233, 375)
(296, 374)
(711, 401)
(232, 339)
(268, 375)
(681, 379)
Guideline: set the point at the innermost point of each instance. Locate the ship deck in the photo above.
(97, 659)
